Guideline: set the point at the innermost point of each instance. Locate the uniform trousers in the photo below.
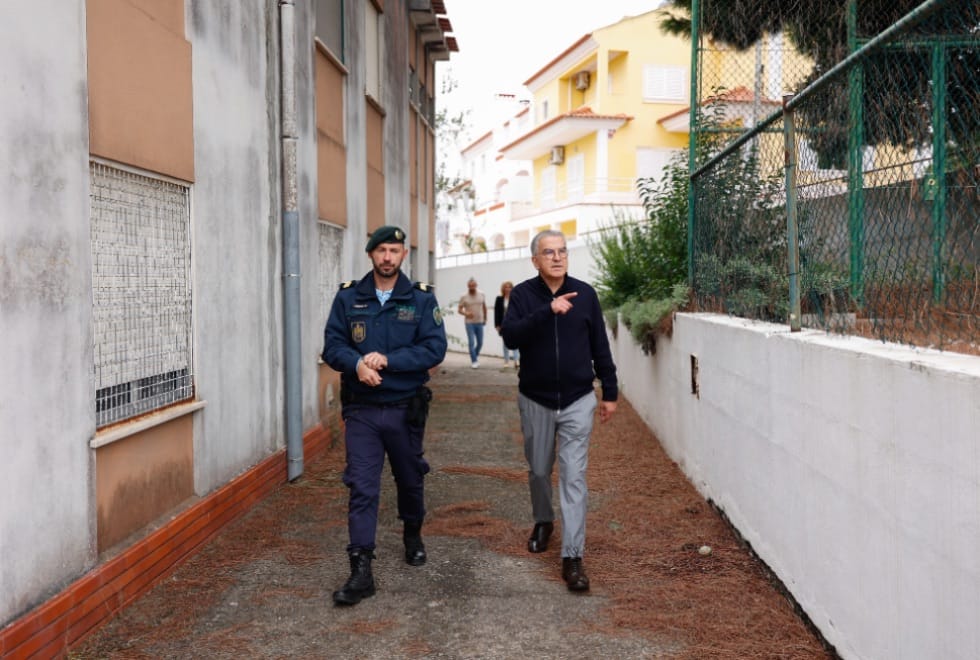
(569, 428)
(371, 432)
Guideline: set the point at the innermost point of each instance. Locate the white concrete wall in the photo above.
(356, 262)
(238, 343)
(46, 525)
(313, 308)
(851, 466)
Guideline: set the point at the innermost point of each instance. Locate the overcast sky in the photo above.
(502, 43)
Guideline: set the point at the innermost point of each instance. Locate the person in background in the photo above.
(383, 335)
(473, 307)
(556, 322)
(499, 309)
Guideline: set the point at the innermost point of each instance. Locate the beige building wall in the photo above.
(142, 476)
(331, 140)
(139, 76)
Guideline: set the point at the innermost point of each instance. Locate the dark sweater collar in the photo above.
(544, 285)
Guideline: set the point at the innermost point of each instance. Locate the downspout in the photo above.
(292, 374)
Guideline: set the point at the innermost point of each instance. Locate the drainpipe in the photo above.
(292, 374)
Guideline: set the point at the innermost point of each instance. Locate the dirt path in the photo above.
(261, 589)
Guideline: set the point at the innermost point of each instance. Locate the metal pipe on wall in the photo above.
(292, 373)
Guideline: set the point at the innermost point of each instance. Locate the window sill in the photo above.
(333, 59)
(374, 103)
(126, 429)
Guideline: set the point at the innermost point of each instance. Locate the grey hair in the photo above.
(544, 234)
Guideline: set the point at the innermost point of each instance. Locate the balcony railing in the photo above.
(611, 190)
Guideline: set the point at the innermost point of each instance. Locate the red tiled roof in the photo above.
(462, 185)
(560, 55)
(740, 94)
(476, 142)
(584, 112)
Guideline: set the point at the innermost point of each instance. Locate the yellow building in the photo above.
(595, 128)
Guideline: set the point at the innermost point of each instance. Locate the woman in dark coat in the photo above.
(499, 309)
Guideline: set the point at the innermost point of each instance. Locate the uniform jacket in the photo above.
(408, 330)
(561, 354)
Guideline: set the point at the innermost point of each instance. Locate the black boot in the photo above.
(360, 584)
(414, 548)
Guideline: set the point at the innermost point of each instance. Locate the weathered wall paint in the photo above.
(47, 412)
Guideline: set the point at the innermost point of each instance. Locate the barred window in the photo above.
(141, 292)
(331, 252)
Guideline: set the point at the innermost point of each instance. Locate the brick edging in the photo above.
(54, 626)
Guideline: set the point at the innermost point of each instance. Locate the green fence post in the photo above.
(855, 160)
(792, 221)
(939, 220)
(692, 140)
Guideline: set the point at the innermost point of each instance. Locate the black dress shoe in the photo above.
(415, 552)
(539, 537)
(573, 574)
(414, 547)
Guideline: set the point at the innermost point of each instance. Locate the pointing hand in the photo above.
(562, 303)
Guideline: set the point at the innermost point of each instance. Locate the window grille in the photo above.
(414, 87)
(331, 253)
(141, 291)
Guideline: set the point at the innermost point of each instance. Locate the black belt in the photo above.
(398, 403)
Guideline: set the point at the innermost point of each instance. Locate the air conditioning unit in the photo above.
(557, 156)
(582, 81)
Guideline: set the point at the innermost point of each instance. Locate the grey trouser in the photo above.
(572, 427)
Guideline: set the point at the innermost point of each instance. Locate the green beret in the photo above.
(386, 234)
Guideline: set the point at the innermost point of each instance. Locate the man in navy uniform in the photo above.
(383, 334)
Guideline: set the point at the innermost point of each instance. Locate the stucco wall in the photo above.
(237, 288)
(46, 524)
(851, 466)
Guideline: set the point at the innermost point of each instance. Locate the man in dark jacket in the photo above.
(383, 334)
(556, 322)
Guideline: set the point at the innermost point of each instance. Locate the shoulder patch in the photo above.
(347, 285)
(424, 286)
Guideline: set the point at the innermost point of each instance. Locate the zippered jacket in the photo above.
(408, 329)
(561, 354)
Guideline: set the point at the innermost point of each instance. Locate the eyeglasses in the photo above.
(561, 253)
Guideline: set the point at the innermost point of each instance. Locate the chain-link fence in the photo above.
(836, 166)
